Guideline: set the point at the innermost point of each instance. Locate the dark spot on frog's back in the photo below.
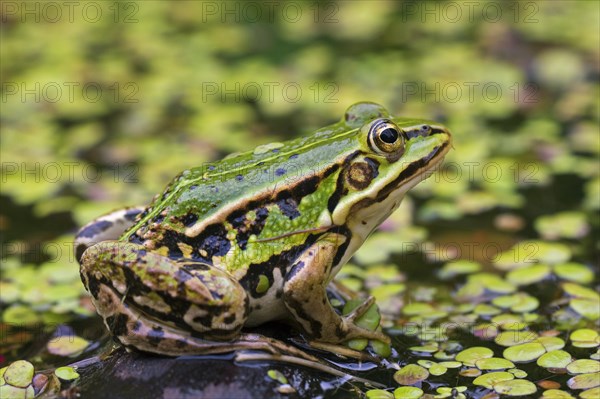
(189, 219)
(95, 229)
(214, 241)
(131, 214)
(280, 172)
(289, 207)
(155, 336)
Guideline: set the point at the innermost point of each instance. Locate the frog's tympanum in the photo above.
(257, 236)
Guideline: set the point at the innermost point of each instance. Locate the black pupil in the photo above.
(389, 135)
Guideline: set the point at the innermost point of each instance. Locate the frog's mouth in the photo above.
(417, 171)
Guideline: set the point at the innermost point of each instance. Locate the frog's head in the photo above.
(395, 154)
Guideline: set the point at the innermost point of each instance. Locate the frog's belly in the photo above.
(266, 309)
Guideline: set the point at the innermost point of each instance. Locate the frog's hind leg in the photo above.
(137, 330)
(176, 299)
(107, 227)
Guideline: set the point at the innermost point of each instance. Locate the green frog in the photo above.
(257, 236)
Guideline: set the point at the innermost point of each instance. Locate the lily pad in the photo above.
(488, 380)
(579, 291)
(508, 321)
(556, 394)
(437, 369)
(584, 381)
(585, 338)
(66, 373)
(19, 374)
(518, 302)
(575, 272)
(588, 308)
(470, 372)
(67, 345)
(518, 373)
(593, 393)
(557, 359)
(416, 308)
(494, 363)
(583, 366)
(569, 224)
(515, 388)
(528, 275)
(512, 338)
(379, 394)
(411, 374)
(486, 310)
(526, 253)
(524, 353)
(452, 269)
(551, 343)
(12, 392)
(471, 355)
(408, 393)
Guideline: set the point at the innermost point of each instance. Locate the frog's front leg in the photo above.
(304, 294)
(157, 304)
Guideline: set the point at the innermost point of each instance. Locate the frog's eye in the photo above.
(386, 138)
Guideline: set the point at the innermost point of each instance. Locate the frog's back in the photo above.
(259, 195)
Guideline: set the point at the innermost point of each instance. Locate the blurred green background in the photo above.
(104, 102)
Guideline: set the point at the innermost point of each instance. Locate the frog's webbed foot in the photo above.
(356, 331)
(305, 296)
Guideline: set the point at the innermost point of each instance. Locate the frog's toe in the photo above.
(355, 331)
(360, 310)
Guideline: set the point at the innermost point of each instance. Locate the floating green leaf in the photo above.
(19, 374)
(584, 381)
(66, 373)
(556, 394)
(512, 338)
(562, 225)
(471, 355)
(585, 338)
(528, 275)
(551, 343)
(582, 366)
(557, 359)
(452, 269)
(524, 353)
(408, 393)
(494, 363)
(488, 380)
(515, 388)
(410, 374)
(379, 394)
(67, 345)
(575, 272)
(593, 393)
